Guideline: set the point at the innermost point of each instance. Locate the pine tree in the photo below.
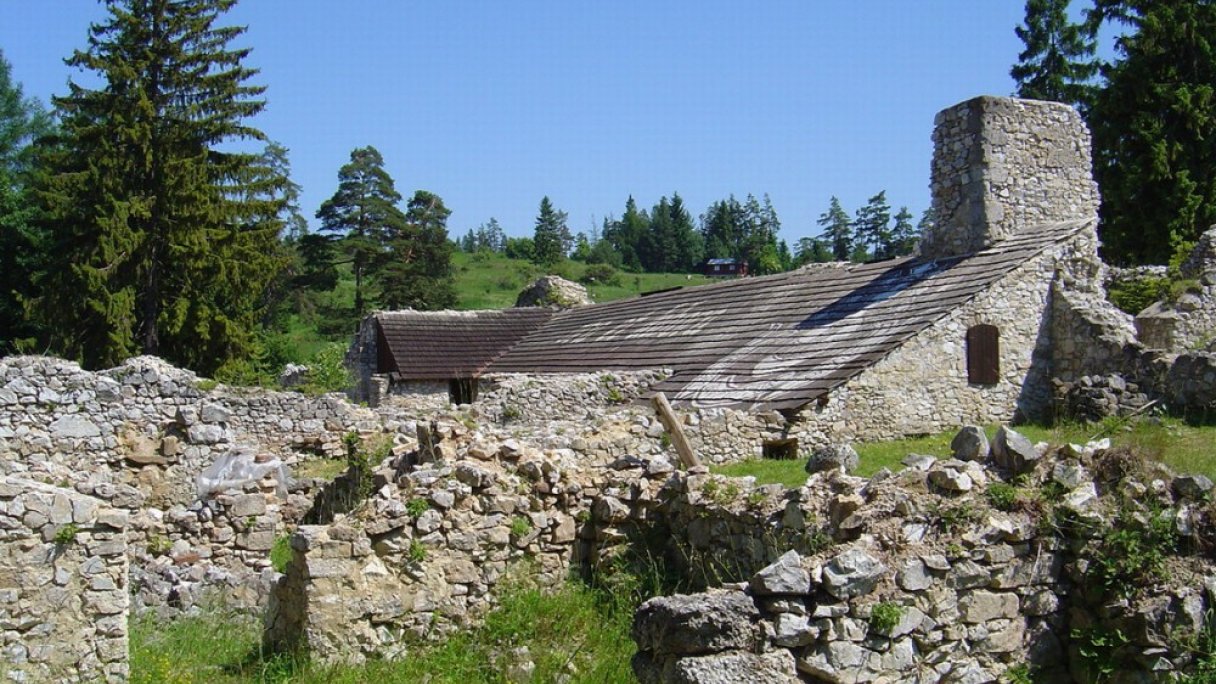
(419, 272)
(24, 250)
(548, 239)
(496, 239)
(163, 235)
(837, 230)
(1154, 127)
(1058, 62)
(872, 226)
(362, 217)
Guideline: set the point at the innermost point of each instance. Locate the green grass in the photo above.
(321, 468)
(1184, 448)
(492, 281)
(577, 631)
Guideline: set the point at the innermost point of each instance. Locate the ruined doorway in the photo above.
(462, 390)
(781, 449)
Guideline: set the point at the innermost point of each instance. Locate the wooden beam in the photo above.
(672, 422)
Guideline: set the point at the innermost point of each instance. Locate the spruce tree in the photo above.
(549, 237)
(688, 245)
(903, 234)
(362, 217)
(723, 229)
(872, 226)
(163, 235)
(418, 273)
(1154, 129)
(837, 230)
(1058, 60)
(24, 250)
(627, 236)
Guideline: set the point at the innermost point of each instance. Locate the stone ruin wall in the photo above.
(137, 437)
(63, 585)
(1188, 323)
(978, 591)
(1000, 165)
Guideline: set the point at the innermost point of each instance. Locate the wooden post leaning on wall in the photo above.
(672, 422)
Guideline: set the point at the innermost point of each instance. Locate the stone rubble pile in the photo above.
(1094, 397)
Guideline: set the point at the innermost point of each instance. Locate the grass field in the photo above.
(492, 281)
(1185, 448)
(578, 632)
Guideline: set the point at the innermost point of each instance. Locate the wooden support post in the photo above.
(672, 422)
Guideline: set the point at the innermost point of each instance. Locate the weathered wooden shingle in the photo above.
(441, 345)
(777, 341)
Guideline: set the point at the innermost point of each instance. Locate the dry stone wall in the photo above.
(138, 436)
(1000, 165)
(918, 577)
(63, 585)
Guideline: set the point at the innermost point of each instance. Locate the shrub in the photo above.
(602, 274)
(520, 526)
(1133, 552)
(158, 545)
(885, 616)
(416, 507)
(67, 534)
(327, 370)
(1002, 496)
(1134, 296)
(417, 551)
(280, 553)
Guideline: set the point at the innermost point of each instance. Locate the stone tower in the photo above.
(1000, 165)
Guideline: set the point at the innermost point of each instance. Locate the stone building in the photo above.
(971, 330)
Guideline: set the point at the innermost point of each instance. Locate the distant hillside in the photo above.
(492, 281)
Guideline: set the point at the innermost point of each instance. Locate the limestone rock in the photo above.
(831, 457)
(553, 290)
(950, 478)
(970, 444)
(696, 624)
(74, 427)
(1192, 486)
(774, 667)
(852, 573)
(1013, 452)
(785, 576)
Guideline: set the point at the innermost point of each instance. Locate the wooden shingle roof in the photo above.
(772, 342)
(441, 345)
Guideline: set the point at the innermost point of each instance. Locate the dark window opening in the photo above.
(781, 449)
(983, 355)
(462, 390)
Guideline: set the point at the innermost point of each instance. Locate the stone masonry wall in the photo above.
(1187, 324)
(138, 436)
(1088, 334)
(920, 577)
(63, 586)
(1000, 165)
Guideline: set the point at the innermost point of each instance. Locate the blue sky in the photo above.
(495, 104)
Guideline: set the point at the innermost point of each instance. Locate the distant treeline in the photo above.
(665, 239)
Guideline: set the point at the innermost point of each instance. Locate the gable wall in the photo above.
(922, 387)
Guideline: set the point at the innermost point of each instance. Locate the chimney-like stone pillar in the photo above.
(1000, 165)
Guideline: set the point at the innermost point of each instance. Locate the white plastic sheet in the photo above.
(237, 468)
